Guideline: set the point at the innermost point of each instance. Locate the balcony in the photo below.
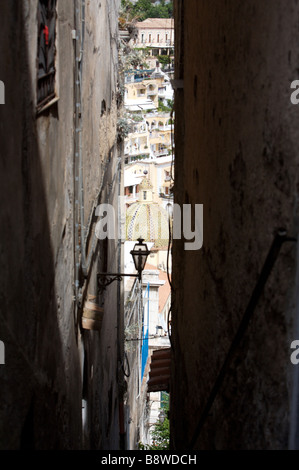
(160, 153)
(134, 152)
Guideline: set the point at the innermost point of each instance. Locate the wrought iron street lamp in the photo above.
(139, 253)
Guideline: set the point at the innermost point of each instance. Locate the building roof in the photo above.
(156, 23)
(141, 104)
(149, 221)
(131, 180)
(146, 184)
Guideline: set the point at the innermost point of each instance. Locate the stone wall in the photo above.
(50, 360)
(237, 154)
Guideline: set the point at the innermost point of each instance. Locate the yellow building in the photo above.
(160, 174)
(150, 137)
(148, 89)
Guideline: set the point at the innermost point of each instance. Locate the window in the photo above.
(158, 37)
(149, 38)
(142, 37)
(46, 52)
(144, 195)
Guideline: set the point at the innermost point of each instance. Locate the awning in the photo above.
(141, 104)
(140, 107)
(159, 375)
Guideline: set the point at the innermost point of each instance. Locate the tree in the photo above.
(126, 12)
(163, 10)
(161, 433)
(143, 9)
(146, 9)
(164, 60)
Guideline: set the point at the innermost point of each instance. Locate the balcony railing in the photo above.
(136, 152)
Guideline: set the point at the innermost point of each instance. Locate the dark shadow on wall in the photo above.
(35, 407)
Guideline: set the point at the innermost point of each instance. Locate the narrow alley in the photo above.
(149, 223)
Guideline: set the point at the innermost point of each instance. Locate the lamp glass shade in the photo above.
(140, 253)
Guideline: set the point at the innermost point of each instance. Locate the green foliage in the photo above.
(131, 58)
(123, 127)
(165, 109)
(170, 103)
(161, 433)
(164, 60)
(137, 117)
(126, 10)
(143, 9)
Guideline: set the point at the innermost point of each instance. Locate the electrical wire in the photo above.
(170, 240)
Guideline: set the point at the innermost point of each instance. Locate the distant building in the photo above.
(157, 34)
(160, 172)
(147, 92)
(150, 137)
(147, 318)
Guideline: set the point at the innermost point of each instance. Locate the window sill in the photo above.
(47, 106)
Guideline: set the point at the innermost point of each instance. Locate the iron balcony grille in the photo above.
(45, 89)
(46, 52)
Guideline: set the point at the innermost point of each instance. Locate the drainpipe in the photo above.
(120, 320)
(80, 257)
(76, 153)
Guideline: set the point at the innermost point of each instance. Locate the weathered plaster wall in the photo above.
(237, 154)
(40, 391)
(101, 170)
(42, 380)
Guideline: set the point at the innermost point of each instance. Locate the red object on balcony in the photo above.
(46, 34)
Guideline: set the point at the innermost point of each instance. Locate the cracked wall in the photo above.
(237, 154)
(40, 321)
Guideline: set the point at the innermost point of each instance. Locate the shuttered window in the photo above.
(46, 52)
